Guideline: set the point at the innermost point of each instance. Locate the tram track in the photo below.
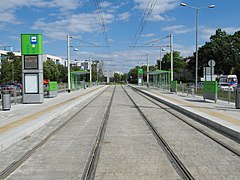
(175, 161)
(17, 163)
(199, 129)
(90, 168)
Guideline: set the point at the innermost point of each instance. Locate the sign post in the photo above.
(211, 63)
(32, 68)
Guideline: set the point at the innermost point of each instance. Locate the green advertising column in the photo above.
(210, 90)
(32, 68)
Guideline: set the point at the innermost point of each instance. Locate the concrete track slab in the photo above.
(24, 119)
(220, 115)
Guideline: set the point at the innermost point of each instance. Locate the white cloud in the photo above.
(184, 50)
(177, 29)
(64, 5)
(7, 10)
(124, 16)
(8, 17)
(105, 4)
(160, 8)
(14, 4)
(205, 32)
(77, 23)
(148, 35)
(231, 30)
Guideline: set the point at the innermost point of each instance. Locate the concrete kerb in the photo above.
(225, 130)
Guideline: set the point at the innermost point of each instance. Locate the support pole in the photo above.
(90, 64)
(147, 70)
(171, 53)
(68, 62)
(196, 75)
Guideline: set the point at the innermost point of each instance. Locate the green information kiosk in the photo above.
(140, 77)
(32, 68)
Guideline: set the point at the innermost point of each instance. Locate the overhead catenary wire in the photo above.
(83, 41)
(100, 14)
(101, 20)
(156, 40)
(145, 18)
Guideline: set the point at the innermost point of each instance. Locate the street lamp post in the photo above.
(197, 14)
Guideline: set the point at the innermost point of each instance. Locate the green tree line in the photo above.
(223, 48)
(11, 70)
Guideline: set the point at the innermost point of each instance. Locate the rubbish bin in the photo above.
(6, 100)
(237, 99)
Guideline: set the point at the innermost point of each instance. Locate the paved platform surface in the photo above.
(221, 115)
(23, 119)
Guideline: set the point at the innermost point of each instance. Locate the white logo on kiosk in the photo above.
(33, 40)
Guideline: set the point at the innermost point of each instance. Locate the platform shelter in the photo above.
(78, 79)
(160, 79)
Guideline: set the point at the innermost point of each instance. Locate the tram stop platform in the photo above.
(23, 119)
(221, 115)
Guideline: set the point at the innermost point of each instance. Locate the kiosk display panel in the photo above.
(30, 62)
(31, 83)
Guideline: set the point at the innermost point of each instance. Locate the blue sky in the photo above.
(57, 18)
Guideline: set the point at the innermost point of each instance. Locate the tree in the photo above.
(236, 51)
(117, 77)
(224, 49)
(11, 69)
(133, 73)
(63, 73)
(218, 49)
(179, 65)
(124, 77)
(6, 75)
(100, 72)
(50, 71)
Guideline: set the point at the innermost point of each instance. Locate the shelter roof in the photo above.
(79, 72)
(157, 72)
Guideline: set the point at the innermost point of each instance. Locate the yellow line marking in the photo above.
(30, 117)
(215, 114)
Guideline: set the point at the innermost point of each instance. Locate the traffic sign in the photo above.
(211, 63)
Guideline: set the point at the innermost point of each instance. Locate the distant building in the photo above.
(83, 65)
(56, 59)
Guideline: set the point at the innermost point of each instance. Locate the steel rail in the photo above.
(175, 161)
(14, 165)
(91, 165)
(218, 141)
